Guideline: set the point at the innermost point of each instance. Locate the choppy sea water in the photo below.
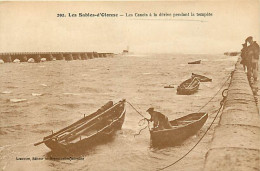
(37, 98)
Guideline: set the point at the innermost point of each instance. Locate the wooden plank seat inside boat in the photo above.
(189, 86)
(71, 129)
(89, 130)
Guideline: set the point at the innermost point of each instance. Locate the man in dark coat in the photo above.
(159, 120)
(253, 55)
(244, 60)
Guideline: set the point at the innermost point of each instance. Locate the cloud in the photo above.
(34, 26)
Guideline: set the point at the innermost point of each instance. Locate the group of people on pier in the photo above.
(250, 58)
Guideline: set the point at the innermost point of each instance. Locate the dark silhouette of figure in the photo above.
(160, 121)
(244, 60)
(253, 56)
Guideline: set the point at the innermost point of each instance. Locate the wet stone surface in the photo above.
(235, 144)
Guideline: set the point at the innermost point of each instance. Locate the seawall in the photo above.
(235, 144)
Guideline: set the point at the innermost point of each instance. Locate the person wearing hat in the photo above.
(160, 121)
(244, 60)
(253, 55)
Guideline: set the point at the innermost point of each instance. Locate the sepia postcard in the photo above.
(129, 85)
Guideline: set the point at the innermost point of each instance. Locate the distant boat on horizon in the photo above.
(126, 51)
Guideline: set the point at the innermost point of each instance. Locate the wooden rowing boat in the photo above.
(195, 62)
(169, 86)
(201, 78)
(88, 131)
(189, 86)
(182, 129)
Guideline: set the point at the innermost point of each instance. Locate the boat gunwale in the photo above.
(184, 90)
(188, 81)
(102, 113)
(202, 77)
(195, 62)
(181, 126)
(121, 115)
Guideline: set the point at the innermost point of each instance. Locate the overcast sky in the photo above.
(34, 26)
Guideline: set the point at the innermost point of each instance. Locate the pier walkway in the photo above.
(236, 142)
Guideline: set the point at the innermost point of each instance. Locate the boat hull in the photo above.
(183, 89)
(85, 142)
(195, 62)
(201, 78)
(178, 134)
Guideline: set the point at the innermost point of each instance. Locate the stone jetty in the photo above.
(49, 56)
(235, 144)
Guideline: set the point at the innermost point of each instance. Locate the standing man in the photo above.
(244, 60)
(253, 54)
(160, 121)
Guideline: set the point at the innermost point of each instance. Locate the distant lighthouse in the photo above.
(126, 51)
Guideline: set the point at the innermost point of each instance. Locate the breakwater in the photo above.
(236, 141)
(49, 56)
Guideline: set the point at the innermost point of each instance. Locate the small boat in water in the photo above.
(195, 62)
(189, 86)
(95, 128)
(169, 86)
(182, 129)
(201, 78)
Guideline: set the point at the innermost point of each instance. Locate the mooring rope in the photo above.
(221, 105)
(136, 110)
(141, 130)
(197, 142)
(144, 119)
(215, 93)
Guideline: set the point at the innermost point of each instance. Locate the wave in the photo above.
(147, 73)
(74, 94)
(12, 87)
(6, 92)
(36, 94)
(73, 105)
(44, 85)
(74, 88)
(88, 89)
(17, 100)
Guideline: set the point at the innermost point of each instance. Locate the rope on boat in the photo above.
(194, 145)
(135, 109)
(224, 95)
(148, 125)
(216, 93)
(141, 130)
(144, 119)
